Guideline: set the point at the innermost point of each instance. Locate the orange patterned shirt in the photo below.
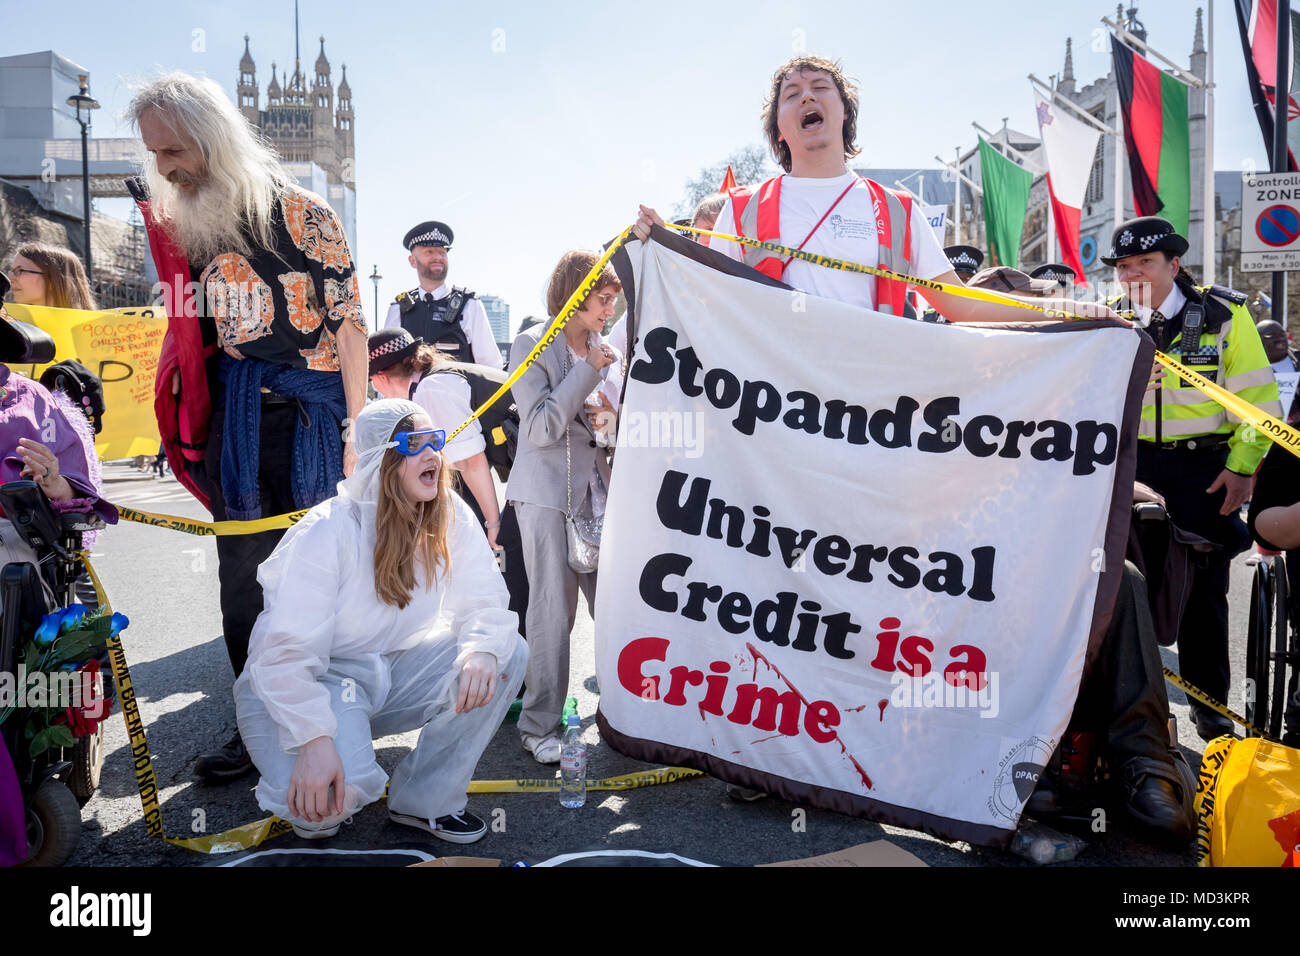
(286, 304)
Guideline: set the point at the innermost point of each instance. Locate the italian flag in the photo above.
(1070, 146)
(1154, 107)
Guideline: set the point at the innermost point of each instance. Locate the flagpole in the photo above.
(1130, 39)
(956, 195)
(1051, 208)
(1207, 219)
(1281, 162)
(1119, 156)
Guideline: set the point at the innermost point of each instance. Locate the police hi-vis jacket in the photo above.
(1230, 354)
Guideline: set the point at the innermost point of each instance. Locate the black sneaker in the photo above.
(229, 763)
(463, 827)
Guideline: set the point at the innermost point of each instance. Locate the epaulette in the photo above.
(1223, 292)
(404, 302)
(466, 293)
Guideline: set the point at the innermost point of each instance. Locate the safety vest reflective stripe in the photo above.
(1184, 428)
(1261, 376)
(760, 219)
(891, 209)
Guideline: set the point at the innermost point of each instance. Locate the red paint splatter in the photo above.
(882, 704)
(850, 710)
(758, 656)
(768, 737)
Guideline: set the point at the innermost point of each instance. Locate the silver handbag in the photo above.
(581, 530)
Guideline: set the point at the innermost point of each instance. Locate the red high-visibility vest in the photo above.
(762, 221)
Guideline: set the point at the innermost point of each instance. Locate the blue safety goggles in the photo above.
(412, 443)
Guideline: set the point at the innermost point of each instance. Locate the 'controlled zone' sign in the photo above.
(1270, 222)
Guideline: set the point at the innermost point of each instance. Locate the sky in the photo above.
(532, 129)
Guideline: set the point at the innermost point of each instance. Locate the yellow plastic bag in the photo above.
(1248, 804)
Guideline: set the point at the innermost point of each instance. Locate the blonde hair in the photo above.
(65, 280)
(405, 530)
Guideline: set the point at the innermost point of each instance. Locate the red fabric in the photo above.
(1263, 42)
(728, 181)
(1067, 234)
(1146, 118)
(182, 419)
(887, 290)
(769, 222)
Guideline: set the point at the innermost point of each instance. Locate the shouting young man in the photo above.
(822, 207)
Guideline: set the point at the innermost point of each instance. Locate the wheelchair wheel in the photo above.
(53, 825)
(87, 758)
(1257, 644)
(1281, 627)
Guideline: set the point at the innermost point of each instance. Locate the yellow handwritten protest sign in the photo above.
(121, 346)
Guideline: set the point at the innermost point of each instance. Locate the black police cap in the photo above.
(1144, 234)
(431, 233)
(1056, 271)
(964, 258)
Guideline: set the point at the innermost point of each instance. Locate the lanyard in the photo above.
(787, 262)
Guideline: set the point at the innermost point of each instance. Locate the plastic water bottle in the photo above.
(573, 766)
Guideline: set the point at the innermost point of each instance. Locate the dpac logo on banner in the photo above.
(121, 346)
(869, 580)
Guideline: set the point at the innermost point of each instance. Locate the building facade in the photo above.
(310, 126)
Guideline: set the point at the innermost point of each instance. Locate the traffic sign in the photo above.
(1270, 222)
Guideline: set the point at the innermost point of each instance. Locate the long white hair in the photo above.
(244, 178)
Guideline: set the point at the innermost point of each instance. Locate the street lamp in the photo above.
(79, 101)
(375, 277)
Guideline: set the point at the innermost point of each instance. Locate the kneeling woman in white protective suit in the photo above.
(385, 612)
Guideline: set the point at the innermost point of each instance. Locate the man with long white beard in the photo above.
(264, 365)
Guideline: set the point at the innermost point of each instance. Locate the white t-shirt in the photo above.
(447, 400)
(482, 341)
(849, 232)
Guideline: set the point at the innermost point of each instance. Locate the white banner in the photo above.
(937, 217)
(852, 558)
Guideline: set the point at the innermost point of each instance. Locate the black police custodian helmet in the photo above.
(430, 233)
(1144, 234)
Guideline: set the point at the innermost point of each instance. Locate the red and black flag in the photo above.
(1257, 24)
(1154, 106)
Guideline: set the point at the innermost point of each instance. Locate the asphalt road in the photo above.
(166, 582)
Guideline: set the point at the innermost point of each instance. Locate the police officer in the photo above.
(451, 319)
(1191, 450)
(1056, 272)
(966, 260)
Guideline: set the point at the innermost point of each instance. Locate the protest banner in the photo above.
(851, 559)
(121, 346)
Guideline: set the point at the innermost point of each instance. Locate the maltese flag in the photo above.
(1070, 146)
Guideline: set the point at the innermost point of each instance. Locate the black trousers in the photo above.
(1123, 697)
(512, 562)
(238, 556)
(1182, 476)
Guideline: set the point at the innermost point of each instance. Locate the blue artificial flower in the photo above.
(48, 629)
(73, 615)
(119, 622)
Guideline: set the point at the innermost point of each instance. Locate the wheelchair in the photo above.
(57, 783)
(1273, 650)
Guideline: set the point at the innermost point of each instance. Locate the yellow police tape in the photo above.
(194, 526)
(251, 834)
(1192, 691)
(570, 309)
